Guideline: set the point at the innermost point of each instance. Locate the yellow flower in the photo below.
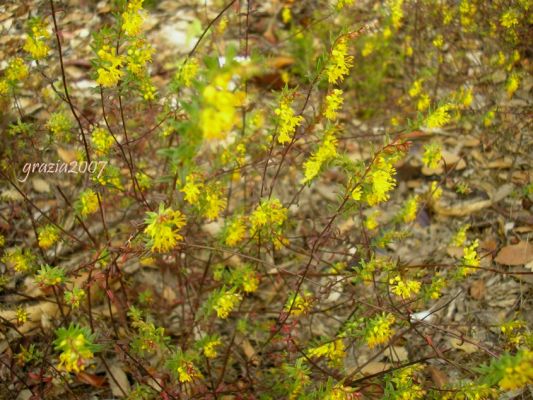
(325, 152)
(378, 329)
(340, 62)
(435, 191)
(87, 203)
(416, 88)
(163, 228)
(423, 102)
(396, 12)
(18, 259)
(438, 42)
(16, 70)
(381, 181)
(210, 348)
(138, 55)
(286, 15)
(219, 113)
(133, 17)
(109, 72)
(509, 18)
(371, 222)
(268, 218)
(409, 209)
(192, 189)
(520, 374)
(334, 101)
(404, 288)
(48, 236)
(512, 85)
(301, 304)
(215, 203)
(188, 72)
(287, 121)
(470, 259)
(343, 3)
(102, 141)
(250, 282)
(357, 193)
(35, 41)
(22, 315)
(439, 117)
(459, 238)
(225, 303)
(432, 155)
(334, 351)
(236, 232)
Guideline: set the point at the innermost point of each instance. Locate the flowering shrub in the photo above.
(246, 238)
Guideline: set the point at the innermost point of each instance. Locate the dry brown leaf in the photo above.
(375, 367)
(40, 185)
(66, 155)
(462, 345)
(478, 289)
(120, 386)
(439, 378)
(515, 254)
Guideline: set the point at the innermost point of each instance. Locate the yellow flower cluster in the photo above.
(219, 113)
(75, 354)
(16, 70)
(509, 19)
(409, 210)
(18, 259)
(225, 303)
(340, 392)
(343, 3)
(396, 12)
(467, 11)
(371, 221)
(21, 316)
(74, 297)
(302, 304)
(109, 72)
(133, 17)
(470, 259)
(102, 141)
(87, 203)
(334, 101)
(209, 348)
(48, 235)
(340, 62)
(381, 180)
(459, 238)
(404, 288)
(163, 228)
(268, 219)
(35, 43)
(439, 117)
(235, 232)
(378, 329)
(214, 202)
(334, 351)
(520, 374)
(287, 121)
(325, 152)
(60, 125)
(187, 372)
(138, 55)
(432, 155)
(192, 189)
(512, 84)
(188, 72)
